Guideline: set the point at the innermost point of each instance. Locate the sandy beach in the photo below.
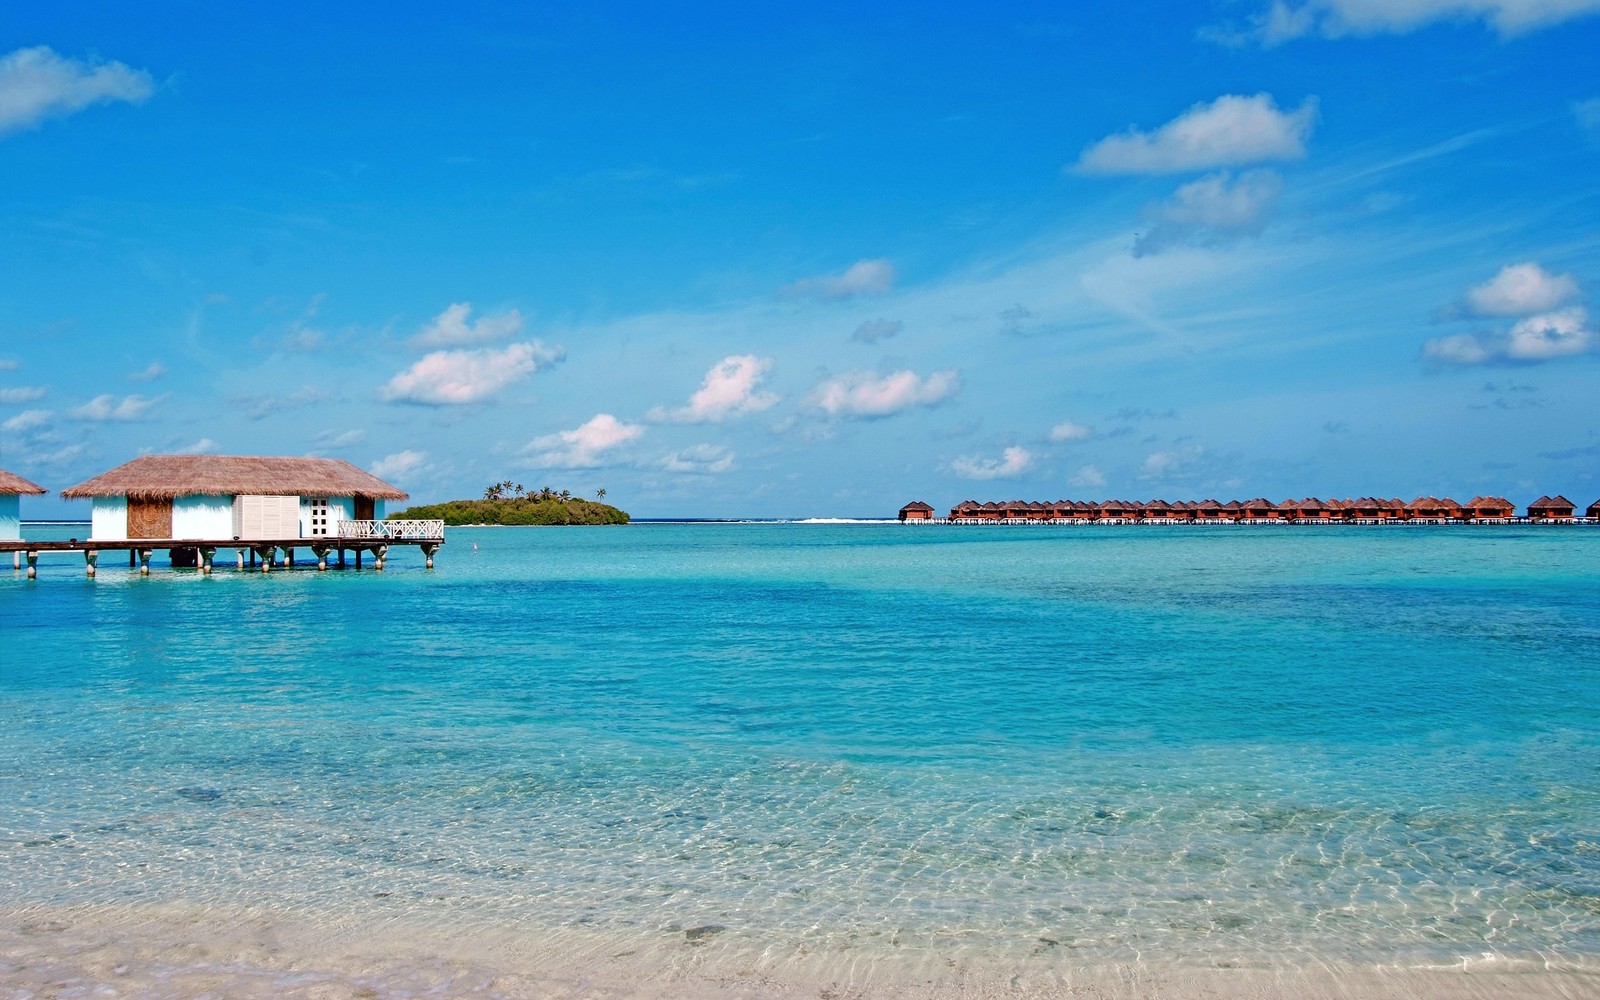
(177, 951)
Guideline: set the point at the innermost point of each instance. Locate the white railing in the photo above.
(389, 529)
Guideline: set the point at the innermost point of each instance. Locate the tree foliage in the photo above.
(510, 503)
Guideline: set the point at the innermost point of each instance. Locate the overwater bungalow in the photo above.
(12, 489)
(1593, 513)
(1311, 510)
(1557, 508)
(230, 497)
(1490, 508)
(916, 510)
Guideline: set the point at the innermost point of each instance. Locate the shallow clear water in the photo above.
(1373, 744)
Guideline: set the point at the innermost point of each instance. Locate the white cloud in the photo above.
(1178, 464)
(1551, 335)
(152, 371)
(864, 277)
(1069, 431)
(700, 459)
(106, 408)
(1282, 21)
(201, 447)
(1229, 131)
(452, 378)
(22, 394)
(28, 420)
(36, 84)
(864, 395)
(398, 465)
(730, 389)
(1459, 349)
(582, 447)
(263, 405)
(334, 438)
(1215, 210)
(1013, 462)
(874, 330)
(1521, 290)
(1088, 476)
(451, 328)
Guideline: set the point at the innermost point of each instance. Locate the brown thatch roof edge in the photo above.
(156, 477)
(10, 482)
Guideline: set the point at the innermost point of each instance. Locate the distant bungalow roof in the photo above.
(156, 477)
(12, 483)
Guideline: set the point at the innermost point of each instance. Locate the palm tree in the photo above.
(599, 494)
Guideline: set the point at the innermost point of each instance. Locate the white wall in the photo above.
(109, 521)
(10, 516)
(203, 516)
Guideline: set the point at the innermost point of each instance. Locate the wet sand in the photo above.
(188, 952)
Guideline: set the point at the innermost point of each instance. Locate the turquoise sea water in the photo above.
(1370, 744)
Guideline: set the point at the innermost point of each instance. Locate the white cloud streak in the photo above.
(1230, 131)
(451, 328)
(1521, 290)
(1013, 462)
(455, 378)
(731, 388)
(864, 277)
(862, 395)
(1215, 210)
(399, 465)
(1069, 431)
(28, 420)
(36, 84)
(107, 408)
(1088, 476)
(582, 447)
(1283, 21)
(1545, 337)
(204, 446)
(12, 395)
(699, 459)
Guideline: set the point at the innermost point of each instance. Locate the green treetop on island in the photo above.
(510, 503)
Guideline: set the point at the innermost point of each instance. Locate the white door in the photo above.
(321, 518)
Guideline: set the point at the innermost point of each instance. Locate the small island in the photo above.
(509, 503)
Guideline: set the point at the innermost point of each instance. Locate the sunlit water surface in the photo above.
(1353, 744)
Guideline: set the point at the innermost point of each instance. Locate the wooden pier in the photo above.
(355, 538)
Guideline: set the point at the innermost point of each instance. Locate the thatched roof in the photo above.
(12, 483)
(156, 477)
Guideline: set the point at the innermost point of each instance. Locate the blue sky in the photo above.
(762, 260)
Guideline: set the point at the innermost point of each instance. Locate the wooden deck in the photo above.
(263, 554)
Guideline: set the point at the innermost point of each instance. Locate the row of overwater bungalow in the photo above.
(192, 505)
(1367, 510)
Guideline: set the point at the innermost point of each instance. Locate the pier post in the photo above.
(265, 553)
(341, 557)
(133, 559)
(241, 557)
(144, 561)
(288, 554)
(33, 565)
(379, 553)
(16, 559)
(358, 558)
(206, 556)
(428, 549)
(90, 559)
(321, 552)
